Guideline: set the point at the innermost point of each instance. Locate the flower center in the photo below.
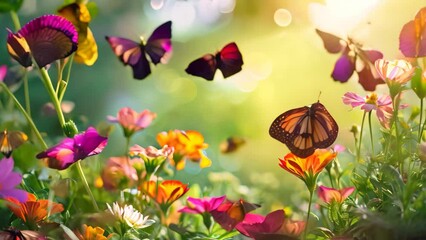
(371, 99)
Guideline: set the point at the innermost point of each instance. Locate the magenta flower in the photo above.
(9, 180)
(3, 71)
(46, 39)
(131, 121)
(202, 205)
(329, 195)
(353, 59)
(70, 150)
(273, 226)
(382, 105)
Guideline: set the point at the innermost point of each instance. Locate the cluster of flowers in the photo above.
(147, 205)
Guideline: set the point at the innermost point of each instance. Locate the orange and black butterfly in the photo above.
(10, 140)
(230, 213)
(231, 144)
(305, 129)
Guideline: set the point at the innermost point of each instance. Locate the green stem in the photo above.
(358, 152)
(29, 120)
(49, 87)
(27, 94)
(424, 123)
(15, 20)
(395, 102)
(371, 132)
(66, 80)
(86, 185)
(311, 193)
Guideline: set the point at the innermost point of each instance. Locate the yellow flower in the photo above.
(188, 145)
(78, 14)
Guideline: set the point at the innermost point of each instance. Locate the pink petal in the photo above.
(353, 99)
(412, 39)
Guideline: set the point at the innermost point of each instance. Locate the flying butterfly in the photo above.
(228, 60)
(158, 48)
(305, 129)
(10, 140)
(229, 213)
(231, 144)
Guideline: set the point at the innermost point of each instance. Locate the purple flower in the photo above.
(3, 71)
(275, 225)
(46, 39)
(9, 180)
(70, 150)
(202, 205)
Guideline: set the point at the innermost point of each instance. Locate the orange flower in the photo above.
(33, 210)
(308, 168)
(91, 233)
(166, 192)
(329, 195)
(187, 144)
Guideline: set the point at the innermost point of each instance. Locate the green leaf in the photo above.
(418, 83)
(10, 5)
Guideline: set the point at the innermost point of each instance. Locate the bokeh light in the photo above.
(282, 17)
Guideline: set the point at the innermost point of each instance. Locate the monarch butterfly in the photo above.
(158, 47)
(228, 60)
(305, 129)
(10, 141)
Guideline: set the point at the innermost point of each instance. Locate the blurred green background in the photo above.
(284, 67)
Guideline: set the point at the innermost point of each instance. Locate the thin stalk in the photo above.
(371, 132)
(15, 20)
(49, 87)
(29, 120)
(395, 102)
(420, 121)
(67, 78)
(358, 153)
(86, 185)
(311, 193)
(27, 94)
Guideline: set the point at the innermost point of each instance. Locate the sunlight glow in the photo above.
(157, 4)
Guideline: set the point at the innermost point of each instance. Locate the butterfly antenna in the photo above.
(319, 95)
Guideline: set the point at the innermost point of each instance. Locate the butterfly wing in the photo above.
(229, 60)
(305, 129)
(331, 43)
(204, 67)
(131, 53)
(159, 45)
(10, 141)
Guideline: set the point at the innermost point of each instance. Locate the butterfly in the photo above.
(228, 60)
(16, 234)
(10, 140)
(158, 48)
(231, 144)
(305, 129)
(229, 213)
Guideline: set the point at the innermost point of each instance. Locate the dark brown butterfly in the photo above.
(231, 144)
(16, 234)
(158, 48)
(229, 213)
(229, 61)
(305, 129)
(10, 140)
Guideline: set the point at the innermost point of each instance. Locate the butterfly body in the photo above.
(158, 47)
(229, 61)
(305, 129)
(10, 140)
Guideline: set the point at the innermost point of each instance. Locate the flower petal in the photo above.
(412, 37)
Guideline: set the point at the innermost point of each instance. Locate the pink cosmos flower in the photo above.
(273, 226)
(202, 205)
(382, 105)
(329, 195)
(9, 180)
(151, 156)
(118, 172)
(70, 150)
(132, 121)
(395, 71)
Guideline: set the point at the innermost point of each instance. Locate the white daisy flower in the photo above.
(132, 217)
